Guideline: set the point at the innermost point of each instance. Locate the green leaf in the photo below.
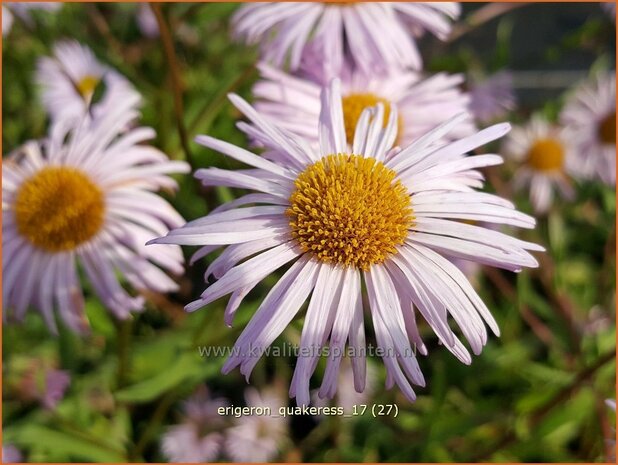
(99, 318)
(71, 445)
(557, 233)
(189, 367)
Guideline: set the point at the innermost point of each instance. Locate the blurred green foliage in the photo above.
(535, 394)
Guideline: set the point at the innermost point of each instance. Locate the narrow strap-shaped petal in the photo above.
(247, 272)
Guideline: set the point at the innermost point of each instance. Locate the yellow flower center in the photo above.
(87, 85)
(353, 106)
(59, 208)
(350, 210)
(546, 155)
(607, 129)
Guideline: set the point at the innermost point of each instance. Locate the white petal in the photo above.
(246, 273)
(235, 253)
(385, 305)
(350, 295)
(315, 329)
(242, 155)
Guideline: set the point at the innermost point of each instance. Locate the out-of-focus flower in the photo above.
(199, 437)
(257, 438)
(43, 384)
(11, 454)
(492, 98)
(56, 384)
(70, 79)
(146, 21)
(87, 195)
(7, 20)
(597, 320)
(423, 104)
(590, 119)
(341, 214)
(23, 9)
(610, 8)
(544, 156)
(347, 396)
(376, 36)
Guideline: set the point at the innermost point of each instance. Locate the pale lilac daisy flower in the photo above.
(70, 79)
(7, 20)
(545, 157)
(86, 195)
(146, 20)
(590, 118)
(492, 98)
(422, 103)
(376, 36)
(11, 454)
(198, 438)
(340, 216)
(258, 438)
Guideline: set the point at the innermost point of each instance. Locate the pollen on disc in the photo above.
(59, 208)
(350, 210)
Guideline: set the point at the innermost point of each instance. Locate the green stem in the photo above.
(481, 16)
(67, 345)
(556, 401)
(124, 346)
(155, 421)
(174, 70)
(209, 112)
(71, 428)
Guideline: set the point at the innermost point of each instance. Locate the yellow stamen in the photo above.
(353, 106)
(87, 85)
(350, 210)
(546, 155)
(607, 129)
(59, 208)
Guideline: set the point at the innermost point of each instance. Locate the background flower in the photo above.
(71, 78)
(24, 9)
(147, 21)
(85, 195)
(199, 438)
(545, 157)
(423, 103)
(10, 454)
(257, 438)
(493, 97)
(590, 118)
(7, 20)
(376, 37)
